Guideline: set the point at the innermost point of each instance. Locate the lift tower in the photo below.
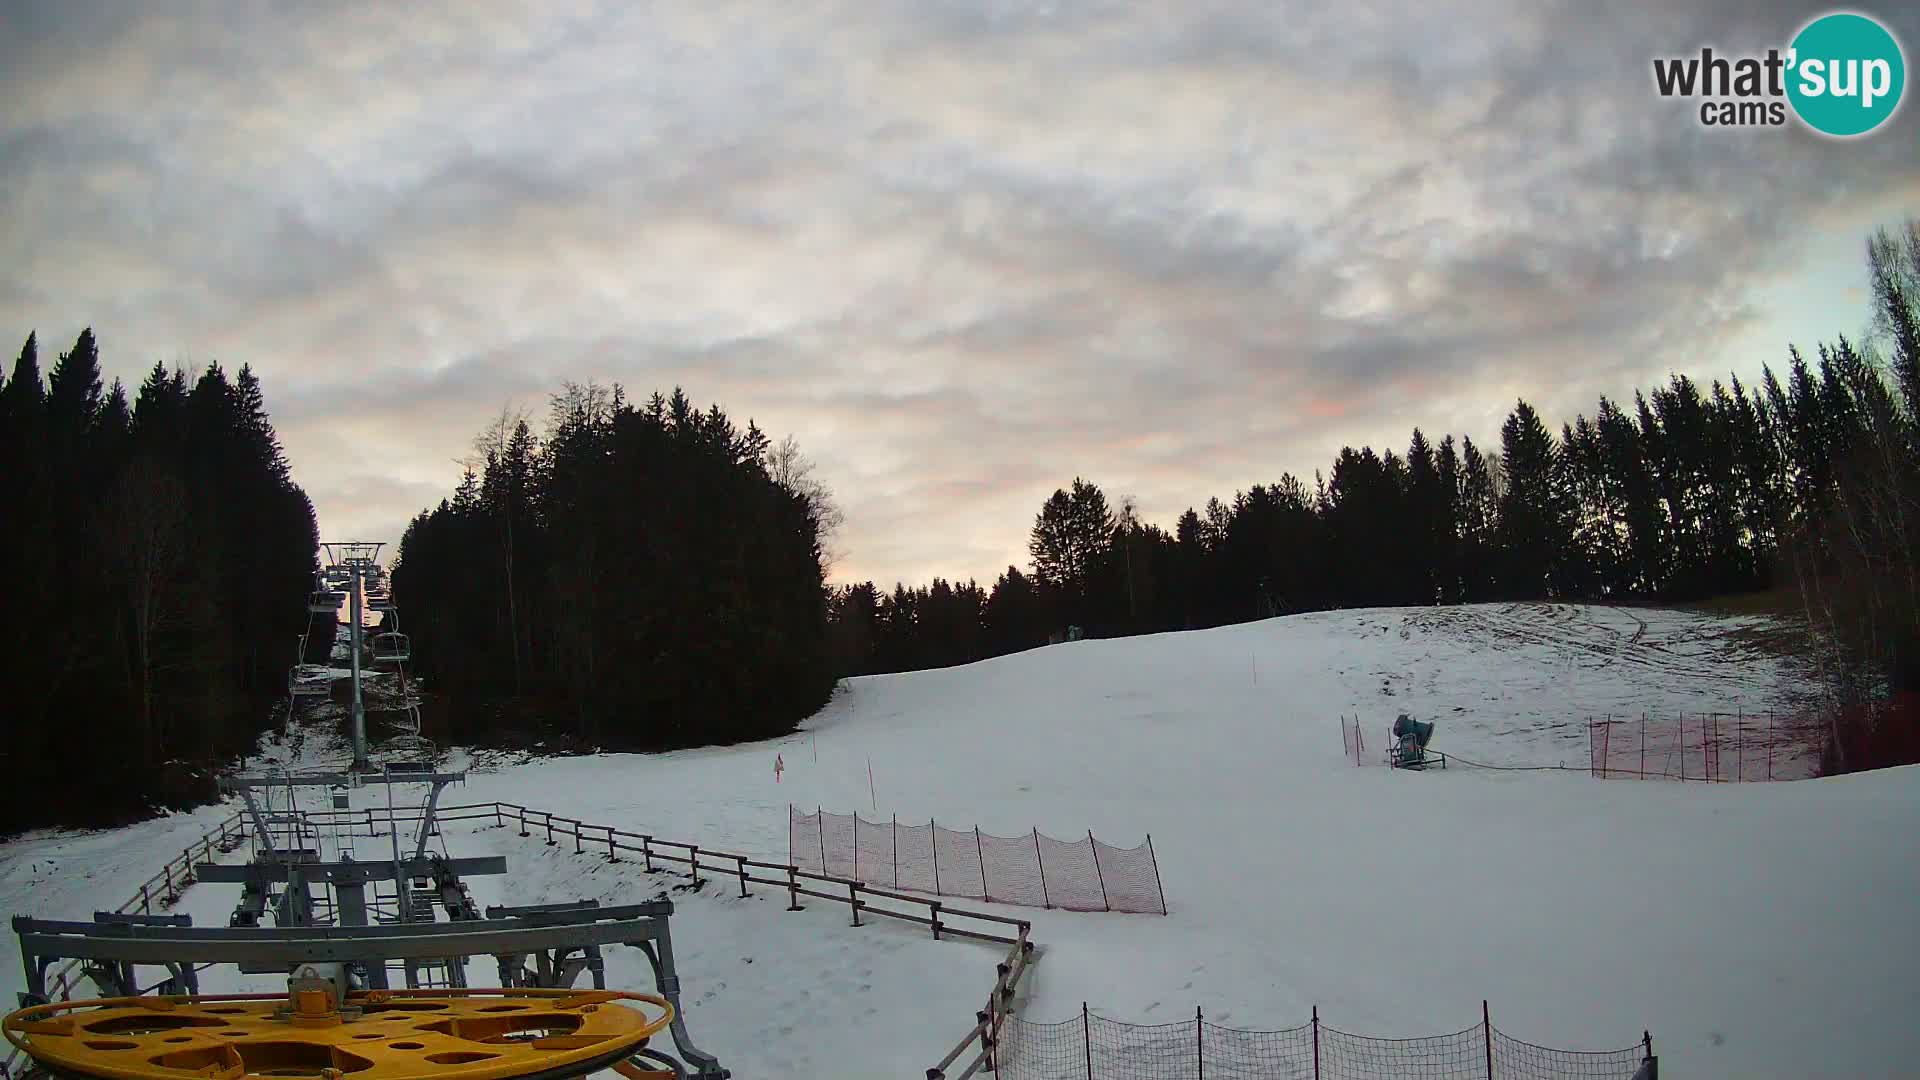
(355, 559)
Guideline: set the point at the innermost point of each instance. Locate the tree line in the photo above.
(639, 577)
(1809, 480)
(156, 555)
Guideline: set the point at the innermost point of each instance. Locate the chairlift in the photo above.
(309, 681)
(391, 648)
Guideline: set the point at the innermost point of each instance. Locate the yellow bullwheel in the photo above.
(515, 1034)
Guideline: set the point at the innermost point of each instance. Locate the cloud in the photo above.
(963, 251)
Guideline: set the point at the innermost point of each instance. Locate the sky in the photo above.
(962, 250)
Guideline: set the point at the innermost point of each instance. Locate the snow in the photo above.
(1756, 929)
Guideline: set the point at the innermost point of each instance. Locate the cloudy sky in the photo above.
(963, 251)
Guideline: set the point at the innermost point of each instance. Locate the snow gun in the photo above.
(1409, 746)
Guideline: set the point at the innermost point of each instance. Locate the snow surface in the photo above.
(1758, 930)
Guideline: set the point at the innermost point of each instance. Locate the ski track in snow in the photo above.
(1759, 930)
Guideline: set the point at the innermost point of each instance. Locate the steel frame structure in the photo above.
(115, 946)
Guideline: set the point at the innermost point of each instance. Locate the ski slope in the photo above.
(1758, 930)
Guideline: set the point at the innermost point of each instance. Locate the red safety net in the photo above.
(1034, 870)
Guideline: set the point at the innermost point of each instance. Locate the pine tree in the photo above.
(1534, 528)
(1070, 535)
(23, 400)
(1447, 534)
(1478, 515)
(1428, 500)
(73, 389)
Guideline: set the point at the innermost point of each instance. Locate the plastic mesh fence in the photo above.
(1072, 874)
(1459, 1056)
(873, 859)
(914, 844)
(1034, 870)
(1042, 1051)
(1232, 1054)
(803, 835)
(1103, 1049)
(957, 862)
(1720, 747)
(1517, 1060)
(1142, 1051)
(1013, 869)
(1131, 876)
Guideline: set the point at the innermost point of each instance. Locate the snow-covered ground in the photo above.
(1758, 930)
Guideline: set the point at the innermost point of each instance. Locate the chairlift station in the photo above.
(373, 929)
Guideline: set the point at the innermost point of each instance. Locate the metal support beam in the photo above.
(426, 818)
(235, 784)
(359, 709)
(346, 870)
(259, 819)
(285, 947)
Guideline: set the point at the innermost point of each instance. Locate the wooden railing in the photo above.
(988, 1021)
(610, 842)
(700, 862)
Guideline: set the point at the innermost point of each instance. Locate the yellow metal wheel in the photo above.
(517, 1034)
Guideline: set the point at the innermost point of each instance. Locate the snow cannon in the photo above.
(518, 1033)
(1409, 746)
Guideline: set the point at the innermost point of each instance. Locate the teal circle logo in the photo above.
(1846, 75)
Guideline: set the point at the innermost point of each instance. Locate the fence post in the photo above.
(853, 900)
(1158, 887)
(981, 854)
(793, 888)
(1101, 874)
(1086, 1036)
(1316, 1042)
(1486, 1030)
(1646, 1052)
(693, 863)
(856, 846)
(820, 816)
(933, 910)
(896, 851)
(646, 851)
(549, 814)
(498, 819)
(523, 820)
(1045, 900)
(613, 854)
(933, 830)
(1199, 1044)
(743, 874)
(578, 825)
